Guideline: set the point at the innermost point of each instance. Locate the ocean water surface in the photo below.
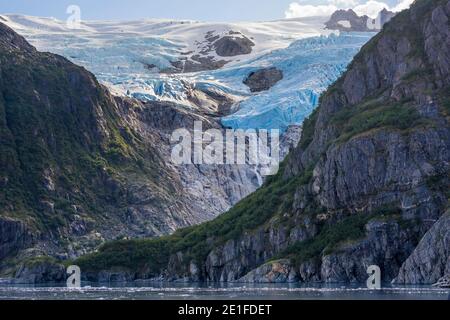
(237, 291)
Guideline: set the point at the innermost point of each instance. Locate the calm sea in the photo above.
(192, 291)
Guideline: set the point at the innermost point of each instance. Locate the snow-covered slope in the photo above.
(129, 57)
(133, 45)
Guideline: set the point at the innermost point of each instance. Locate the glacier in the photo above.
(309, 66)
(127, 57)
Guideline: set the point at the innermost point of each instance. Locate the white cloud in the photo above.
(297, 10)
(344, 3)
(402, 5)
(371, 8)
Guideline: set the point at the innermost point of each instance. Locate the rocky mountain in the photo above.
(367, 184)
(79, 166)
(348, 20)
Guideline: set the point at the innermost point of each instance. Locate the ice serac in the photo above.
(368, 184)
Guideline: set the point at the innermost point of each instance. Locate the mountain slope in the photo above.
(369, 178)
(79, 166)
(66, 147)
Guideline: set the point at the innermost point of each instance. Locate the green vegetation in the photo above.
(61, 139)
(444, 102)
(139, 255)
(446, 105)
(354, 120)
(440, 183)
(327, 240)
(418, 74)
(196, 242)
(308, 128)
(332, 235)
(40, 260)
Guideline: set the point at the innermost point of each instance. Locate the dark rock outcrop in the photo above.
(14, 236)
(195, 63)
(40, 272)
(272, 272)
(230, 46)
(290, 139)
(263, 79)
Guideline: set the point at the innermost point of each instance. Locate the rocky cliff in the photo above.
(79, 166)
(430, 260)
(367, 182)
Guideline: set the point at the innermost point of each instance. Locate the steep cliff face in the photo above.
(368, 179)
(79, 166)
(14, 236)
(430, 260)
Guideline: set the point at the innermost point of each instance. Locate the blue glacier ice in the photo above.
(309, 66)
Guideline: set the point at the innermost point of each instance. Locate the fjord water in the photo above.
(238, 291)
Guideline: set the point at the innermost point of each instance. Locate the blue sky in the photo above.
(206, 10)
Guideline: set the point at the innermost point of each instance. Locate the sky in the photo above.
(204, 10)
